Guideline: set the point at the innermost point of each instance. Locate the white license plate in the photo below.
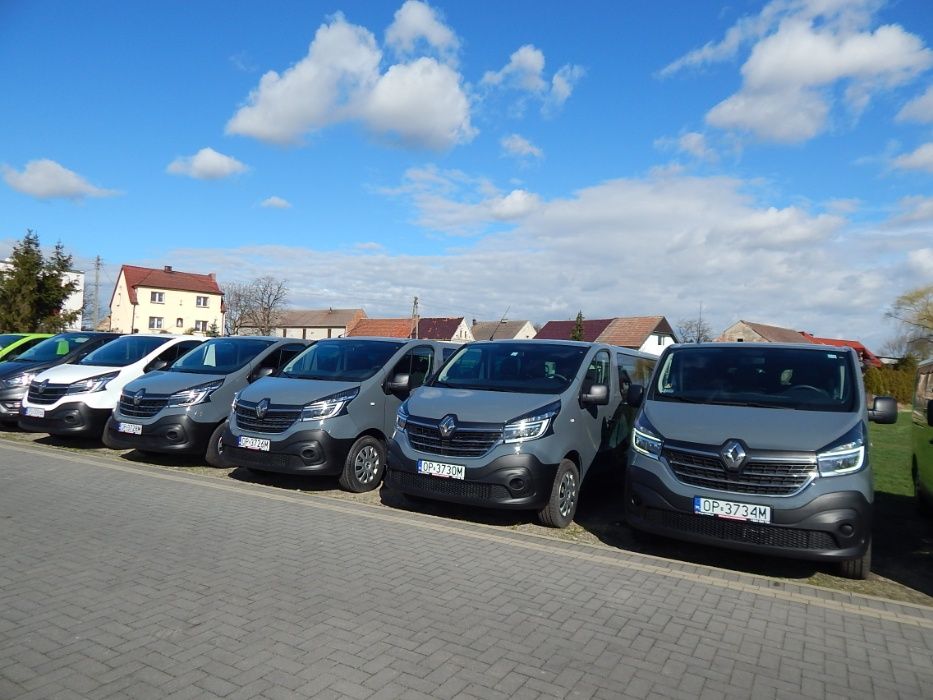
(251, 443)
(131, 428)
(448, 471)
(732, 510)
(34, 412)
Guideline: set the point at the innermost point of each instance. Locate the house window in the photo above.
(157, 297)
(155, 322)
(201, 302)
(179, 323)
(200, 326)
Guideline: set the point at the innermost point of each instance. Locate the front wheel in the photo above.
(857, 568)
(562, 504)
(105, 436)
(215, 446)
(364, 466)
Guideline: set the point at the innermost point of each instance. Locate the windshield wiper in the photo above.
(752, 404)
(681, 399)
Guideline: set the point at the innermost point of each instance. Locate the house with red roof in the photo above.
(441, 328)
(153, 300)
(749, 332)
(649, 334)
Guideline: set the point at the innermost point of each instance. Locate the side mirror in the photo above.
(598, 395)
(156, 365)
(260, 372)
(635, 395)
(930, 412)
(399, 383)
(883, 410)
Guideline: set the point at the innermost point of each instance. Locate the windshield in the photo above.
(124, 351)
(9, 339)
(55, 347)
(758, 375)
(342, 360)
(220, 356)
(527, 368)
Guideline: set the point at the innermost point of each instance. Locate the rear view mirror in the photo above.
(260, 372)
(598, 395)
(883, 410)
(400, 382)
(635, 395)
(156, 365)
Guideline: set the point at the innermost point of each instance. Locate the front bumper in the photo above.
(74, 419)
(307, 452)
(10, 402)
(831, 527)
(171, 434)
(514, 481)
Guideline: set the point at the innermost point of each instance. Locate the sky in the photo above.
(766, 161)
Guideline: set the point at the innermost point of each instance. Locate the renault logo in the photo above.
(138, 396)
(40, 387)
(447, 425)
(261, 408)
(733, 455)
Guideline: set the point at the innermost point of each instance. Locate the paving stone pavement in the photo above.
(125, 581)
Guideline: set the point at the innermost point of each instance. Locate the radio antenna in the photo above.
(501, 321)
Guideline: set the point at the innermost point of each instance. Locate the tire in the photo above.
(365, 465)
(105, 437)
(565, 494)
(215, 447)
(857, 569)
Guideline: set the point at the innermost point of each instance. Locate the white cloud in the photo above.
(921, 262)
(46, 179)
(920, 159)
(919, 109)
(206, 164)
(417, 20)
(692, 143)
(525, 72)
(275, 203)
(915, 210)
(519, 146)
(803, 51)
(421, 103)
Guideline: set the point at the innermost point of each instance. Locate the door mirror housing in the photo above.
(598, 395)
(156, 365)
(635, 395)
(260, 372)
(399, 383)
(883, 410)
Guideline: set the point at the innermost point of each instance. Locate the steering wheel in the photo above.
(561, 377)
(807, 387)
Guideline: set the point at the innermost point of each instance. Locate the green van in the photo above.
(12, 345)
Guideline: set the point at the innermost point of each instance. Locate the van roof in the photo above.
(763, 346)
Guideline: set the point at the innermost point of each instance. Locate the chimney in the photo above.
(474, 321)
(212, 275)
(167, 268)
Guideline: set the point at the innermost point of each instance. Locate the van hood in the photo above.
(758, 428)
(288, 391)
(68, 374)
(10, 368)
(170, 382)
(474, 406)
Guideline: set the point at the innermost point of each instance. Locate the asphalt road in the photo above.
(121, 580)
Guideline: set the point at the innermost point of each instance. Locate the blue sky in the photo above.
(772, 161)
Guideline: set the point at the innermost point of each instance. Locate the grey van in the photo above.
(515, 424)
(184, 408)
(759, 447)
(330, 410)
(922, 437)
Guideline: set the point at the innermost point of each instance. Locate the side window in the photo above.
(598, 371)
(625, 381)
(416, 364)
(173, 353)
(282, 356)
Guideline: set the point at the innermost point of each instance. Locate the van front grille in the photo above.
(49, 393)
(276, 419)
(756, 477)
(439, 486)
(148, 405)
(465, 441)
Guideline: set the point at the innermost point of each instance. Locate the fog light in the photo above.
(517, 484)
(846, 529)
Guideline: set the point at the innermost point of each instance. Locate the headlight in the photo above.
(194, 395)
(645, 438)
(329, 406)
(845, 455)
(532, 425)
(401, 417)
(19, 380)
(91, 384)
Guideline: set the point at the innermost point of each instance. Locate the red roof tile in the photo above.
(633, 331)
(438, 328)
(865, 355)
(382, 327)
(167, 278)
(561, 330)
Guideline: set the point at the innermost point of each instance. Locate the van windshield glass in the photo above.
(123, 351)
(9, 339)
(759, 376)
(54, 348)
(220, 356)
(526, 368)
(342, 360)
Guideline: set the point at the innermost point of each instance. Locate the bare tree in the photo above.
(236, 296)
(268, 297)
(914, 311)
(694, 330)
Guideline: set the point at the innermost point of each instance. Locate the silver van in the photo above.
(330, 410)
(759, 447)
(184, 408)
(515, 424)
(922, 437)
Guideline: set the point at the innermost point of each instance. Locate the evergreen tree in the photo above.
(33, 289)
(577, 332)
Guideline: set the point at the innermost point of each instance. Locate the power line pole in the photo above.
(415, 318)
(97, 264)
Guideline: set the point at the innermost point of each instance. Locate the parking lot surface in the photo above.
(120, 580)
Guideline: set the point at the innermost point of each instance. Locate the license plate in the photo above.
(131, 428)
(251, 443)
(732, 510)
(34, 412)
(448, 471)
